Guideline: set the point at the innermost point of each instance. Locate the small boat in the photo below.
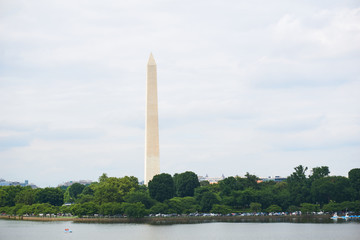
(68, 230)
(336, 217)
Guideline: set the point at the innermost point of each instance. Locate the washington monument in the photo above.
(152, 157)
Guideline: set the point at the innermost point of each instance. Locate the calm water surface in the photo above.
(270, 231)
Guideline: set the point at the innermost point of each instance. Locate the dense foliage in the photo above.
(162, 187)
(182, 193)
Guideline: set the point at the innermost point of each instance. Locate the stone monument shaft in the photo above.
(152, 156)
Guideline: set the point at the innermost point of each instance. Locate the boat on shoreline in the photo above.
(335, 216)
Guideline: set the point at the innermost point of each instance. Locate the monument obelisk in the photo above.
(152, 156)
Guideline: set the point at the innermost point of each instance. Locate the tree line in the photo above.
(183, 194)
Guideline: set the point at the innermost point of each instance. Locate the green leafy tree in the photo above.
(103, 178)
(351, 206)
(140, 196)
(299, 186)
(185, 184)
(87, 195)
(199, 192)
(111, 209)
(255, 207)
(18, 209)
(309, 208)
(251, 181)
(244, 198)
(65, 209)
(354, 177)
(89, 190)
(332, 207)
(74, 190)
(159, 208)
(272, 192)
(293, 208)
(112, 189)
(43, 208)
(182, 205)
(221, 209)
(26, 196)
(273, 208)
(161, 187)
(8, 194)
(134, 210)
(3, 197)
(54, 196)
(228, 185)
(344, 206)
(67, 198)
(25, 209)
(319, 172)
(265, 196)
(334, 188)
(281, 195)
(204, 183)
(83, 198)
(208, 200)
(88, 208)
(4, 210)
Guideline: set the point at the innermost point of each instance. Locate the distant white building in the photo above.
(9, 183)
(83, 182)
(275, 179)
(211, 180)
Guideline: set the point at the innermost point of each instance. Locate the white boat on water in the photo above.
(335, 216)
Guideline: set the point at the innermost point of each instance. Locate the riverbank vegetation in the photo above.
(184, 194)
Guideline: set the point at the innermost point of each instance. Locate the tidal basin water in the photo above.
(30, 230)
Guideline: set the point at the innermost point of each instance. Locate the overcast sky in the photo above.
(244, 86)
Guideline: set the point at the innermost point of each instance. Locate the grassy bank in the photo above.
(183, 220)
(190, 220)
(45, 219)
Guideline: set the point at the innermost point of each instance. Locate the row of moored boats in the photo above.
(347, 216)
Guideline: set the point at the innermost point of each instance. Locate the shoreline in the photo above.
(43, 219)
(182, 220)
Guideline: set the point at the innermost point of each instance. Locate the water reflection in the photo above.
(249, 229)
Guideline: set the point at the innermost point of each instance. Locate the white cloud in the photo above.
(241, 87)
(326, 34)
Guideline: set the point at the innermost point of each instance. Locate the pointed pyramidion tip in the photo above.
(151, 60)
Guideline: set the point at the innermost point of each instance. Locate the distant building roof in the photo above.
(9, 183)
(211, 180)
(83, 182)
(276, 179)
